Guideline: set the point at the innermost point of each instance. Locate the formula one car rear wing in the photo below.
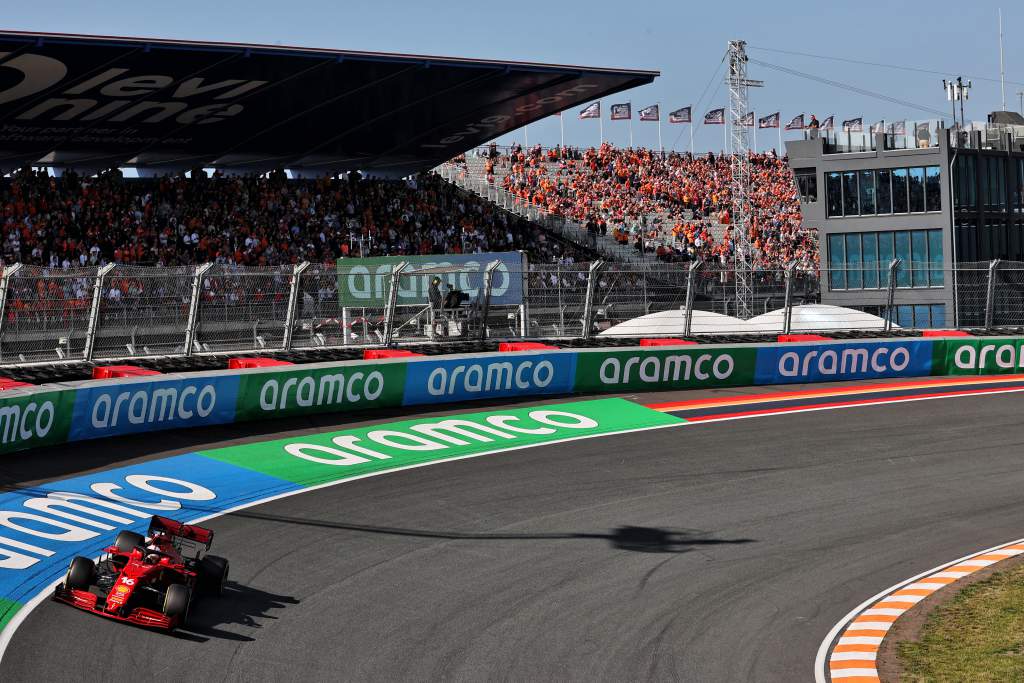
(185, 531)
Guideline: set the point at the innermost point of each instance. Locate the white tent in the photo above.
(672, 323)
(817, 318)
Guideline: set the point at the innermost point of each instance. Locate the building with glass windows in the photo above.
(876, 197)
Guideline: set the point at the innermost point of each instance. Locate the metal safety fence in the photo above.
(126, 311)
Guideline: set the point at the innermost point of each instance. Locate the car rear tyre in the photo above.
(126, 541)
(213, 574)
(80, 574)
(176, 601)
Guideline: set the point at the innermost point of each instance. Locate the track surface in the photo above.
(710, 552)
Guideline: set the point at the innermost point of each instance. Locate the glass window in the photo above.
(836, 258)
(850, 194)
(835, 194)
(916, 190)
(932, 189)
(899, 190)
(807, 183)
(1020, 186)
(885, 255)
(854, 265)
(938, 315)
(870, 255)
(921, 316)
(903, 253)
(883, 191)
(919, 257)
(867, 192)
(905, 316)
(935, 257)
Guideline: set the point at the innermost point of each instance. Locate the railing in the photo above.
(123, 311)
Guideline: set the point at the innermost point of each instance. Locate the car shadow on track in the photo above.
(239, 605)
(634, 538)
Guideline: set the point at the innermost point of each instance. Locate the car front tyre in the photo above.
(176, 602)
(81, 574)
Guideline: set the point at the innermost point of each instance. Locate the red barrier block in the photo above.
(666, 342)
(8, 383)
(377, 354)
(786, 338)
(114, 371)
(525, 346)
(944, 333)
(245, 363)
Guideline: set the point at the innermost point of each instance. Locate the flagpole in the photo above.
(753, 120)
(561, 130)
(631, 127)
(661, 147)
(691, 133)
(600, 126)
(526, 134)
(779, 152)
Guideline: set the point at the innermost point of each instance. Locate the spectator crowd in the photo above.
(75, 221)
(675, 205)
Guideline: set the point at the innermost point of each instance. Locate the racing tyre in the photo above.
(80, 574)
(127, 540)
(213, 574)
(176, 601)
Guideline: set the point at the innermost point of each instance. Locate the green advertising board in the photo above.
(978, 356)
(339, 388)
(365, 282)
(316, 459)
(651, 370)
(36, 419)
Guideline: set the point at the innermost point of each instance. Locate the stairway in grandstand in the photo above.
(473, 178)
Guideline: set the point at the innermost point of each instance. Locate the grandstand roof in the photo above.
(97, 101)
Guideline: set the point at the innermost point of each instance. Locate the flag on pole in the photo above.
(680, 116)
(591, 112)
(829, 123)
(898, 128)
(770, 121)
(748, 120)
(621, 112)
(715, 116)
(797, 123)
(854, 125)
(877, 127)
(650, 113)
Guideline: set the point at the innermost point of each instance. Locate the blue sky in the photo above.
(684, 40)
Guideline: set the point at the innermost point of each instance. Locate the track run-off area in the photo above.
(585, 539)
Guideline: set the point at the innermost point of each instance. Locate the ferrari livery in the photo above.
(147, 580)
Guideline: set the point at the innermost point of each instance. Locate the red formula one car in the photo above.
(148, 580)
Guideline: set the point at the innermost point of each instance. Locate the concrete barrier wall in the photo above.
(60, 413)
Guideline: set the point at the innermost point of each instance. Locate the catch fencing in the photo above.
(127, 311)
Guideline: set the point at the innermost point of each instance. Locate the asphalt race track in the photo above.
(721, 551)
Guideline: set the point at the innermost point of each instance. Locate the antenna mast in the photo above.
(739, 107)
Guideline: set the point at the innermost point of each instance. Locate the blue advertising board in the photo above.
(489, 376)
(130, 407)
(794, 364)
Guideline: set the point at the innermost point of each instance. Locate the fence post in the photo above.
(588, 305)
(691, 292)
(894, 267)
(485, 304)
(94, 310)
(293, 304)
(389, 311)
(990, 295)
(787, 319)
(193, 306)
(5, 281)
